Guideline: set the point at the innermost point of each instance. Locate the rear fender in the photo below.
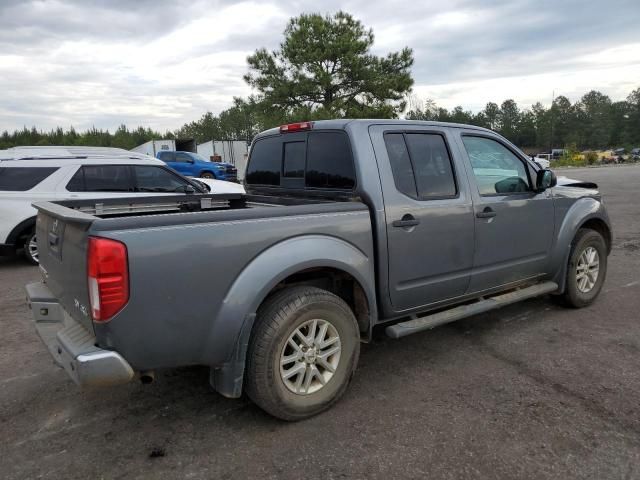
(229, 336)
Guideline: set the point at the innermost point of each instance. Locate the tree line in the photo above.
(324, 68)
(93, 137)
(593, 122)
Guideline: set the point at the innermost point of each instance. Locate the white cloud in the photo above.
(164, 63)
(615, 72)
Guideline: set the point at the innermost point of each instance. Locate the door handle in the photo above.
(407, 221)
(486, 213)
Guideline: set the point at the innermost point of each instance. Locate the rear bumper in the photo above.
(71, 345)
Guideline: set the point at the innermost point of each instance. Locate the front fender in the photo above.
(229, 336)
(583, 210)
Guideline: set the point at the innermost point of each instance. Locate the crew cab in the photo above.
(347, 226)
(32, 174)
(193, 165)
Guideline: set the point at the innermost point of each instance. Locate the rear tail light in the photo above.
(296, 127)
(108, 276)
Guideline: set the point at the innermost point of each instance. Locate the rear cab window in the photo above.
(319, 160)
(21, 179)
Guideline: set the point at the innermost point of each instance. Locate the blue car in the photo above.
(191, 164)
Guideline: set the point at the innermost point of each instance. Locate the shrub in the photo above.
(591, 157)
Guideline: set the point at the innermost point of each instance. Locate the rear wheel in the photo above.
(31, 249)
(587, 268)
(302, 353)
(207, 175)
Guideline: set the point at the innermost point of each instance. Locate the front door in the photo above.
(513, 224)
(429, 215)
(183, 164)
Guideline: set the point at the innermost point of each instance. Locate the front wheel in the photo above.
(207, 175)
(31, 249)
(587, 268)
(302, 353)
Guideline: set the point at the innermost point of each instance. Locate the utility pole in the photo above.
(553, 99)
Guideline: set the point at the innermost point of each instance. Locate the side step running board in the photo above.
(430, 321)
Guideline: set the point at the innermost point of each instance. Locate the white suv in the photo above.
(33, 174)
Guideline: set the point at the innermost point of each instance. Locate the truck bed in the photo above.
(185, 254)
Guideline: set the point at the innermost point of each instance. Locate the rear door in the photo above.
(514, 225)
(169, 158)
(429, 215)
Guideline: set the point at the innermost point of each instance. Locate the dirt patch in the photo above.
(630, 246)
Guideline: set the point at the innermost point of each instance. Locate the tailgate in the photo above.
(62, 245)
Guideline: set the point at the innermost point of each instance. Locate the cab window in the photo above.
(497, 170)
(183, 158)
(421, 165)
(167, 156)
(157, 179)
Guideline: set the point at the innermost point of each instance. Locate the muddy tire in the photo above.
(587, 268)
(302, 353)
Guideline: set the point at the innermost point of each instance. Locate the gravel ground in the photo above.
(530, 391)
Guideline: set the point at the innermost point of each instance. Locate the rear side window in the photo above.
(101, 178)
(266, 158)
(324, 161)
(183, 158)
(167, 156)
(431, 165)
(421, 165)
(401, 164)
(329, 161)
(20, 179)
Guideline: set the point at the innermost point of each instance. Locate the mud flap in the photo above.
(227, 380)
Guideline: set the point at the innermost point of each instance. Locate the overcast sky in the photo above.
(164, 63)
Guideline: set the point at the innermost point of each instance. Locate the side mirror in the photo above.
(199, 186)
(545, 179)
(189, 189)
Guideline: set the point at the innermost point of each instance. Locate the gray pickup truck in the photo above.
(346, 226)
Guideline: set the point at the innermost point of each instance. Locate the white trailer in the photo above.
(154, 146)
(234, 152)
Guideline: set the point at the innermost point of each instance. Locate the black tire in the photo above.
(584, 239)
(207, 175)
(279, 318)
(29, 253)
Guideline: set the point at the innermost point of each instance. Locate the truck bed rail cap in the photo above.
(63, 213)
